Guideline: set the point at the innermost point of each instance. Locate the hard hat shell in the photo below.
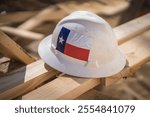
(83, 45)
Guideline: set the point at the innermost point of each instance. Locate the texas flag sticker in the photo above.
(73, 44)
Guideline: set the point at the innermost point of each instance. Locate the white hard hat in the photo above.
(83, 45)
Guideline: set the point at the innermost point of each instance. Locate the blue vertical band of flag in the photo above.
(64, 34)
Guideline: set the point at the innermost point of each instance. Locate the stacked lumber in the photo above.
(36, 80)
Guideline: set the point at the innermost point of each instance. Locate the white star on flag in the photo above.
(61, 40)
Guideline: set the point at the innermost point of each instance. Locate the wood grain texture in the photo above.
(95, 95)
(136, 26)
(62, 9)
(4, 65)
(99, 7)
(47, 14)
(25, 79)
(134, 58)
(11, 49)
(17, 17)
(88, 84)
(22, 33)
(137, 52)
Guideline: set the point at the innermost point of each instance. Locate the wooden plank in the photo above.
(50, 13)
(61, 83)
(8, 66)
(137, 26)
(60, 91)
(134, 10)
(95, 95)
(32, 35)
(47, 14)
(138, 53)
(44, 72)
(11, 49)
(4, 65)
(22, 33)
(47, 91)
(99, 7)
(4, 59)
(25, 79)
(115, 7)
(72, 6)
(132, 92)
(36, 20)
(16, 17)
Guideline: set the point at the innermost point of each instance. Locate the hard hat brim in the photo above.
(68, 67)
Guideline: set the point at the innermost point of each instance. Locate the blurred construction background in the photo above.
(15, 13)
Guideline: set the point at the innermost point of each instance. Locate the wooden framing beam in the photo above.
(96, 95)
(136, 26)
(76, 86)
(22, 33)
(25, 79)
(11, 49)
(77, 82)
(60, 10)
(137, 52)
(17, 17)
(99, 7)
(47, 14)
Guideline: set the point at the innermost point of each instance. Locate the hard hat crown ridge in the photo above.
(84, 45)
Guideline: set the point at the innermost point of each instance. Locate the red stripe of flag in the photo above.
(76, 52)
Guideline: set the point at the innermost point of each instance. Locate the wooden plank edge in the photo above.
(22, 33)
(46, 14)
(95, 95)
(136, 26)
(10, 18)
(84, 84)
(11, 49)
(25, 79)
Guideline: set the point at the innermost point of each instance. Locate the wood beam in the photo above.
(22, 33)
(54, 90)
(11, 49)
(25, 79)
(17, 17)
(62, 9)
(34, 67)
